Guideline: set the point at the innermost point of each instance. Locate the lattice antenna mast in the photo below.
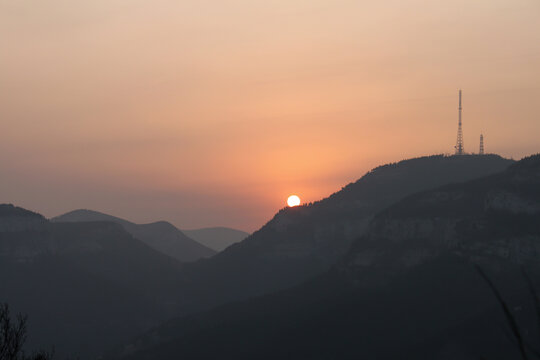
(481, 152)
(459, 142)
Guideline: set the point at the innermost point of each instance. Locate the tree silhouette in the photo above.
(13, 337)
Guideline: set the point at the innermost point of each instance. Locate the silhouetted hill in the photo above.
(475, 218)
(302, 242)
(408, 288)
(161, 235)
(11, 211)
(85, 286)
(217, 238)
(14, 218)
(101, 280)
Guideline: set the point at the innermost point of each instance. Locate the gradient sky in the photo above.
(211, 113)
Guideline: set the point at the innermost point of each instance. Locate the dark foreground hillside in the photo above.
(84, 286)
(412, 287)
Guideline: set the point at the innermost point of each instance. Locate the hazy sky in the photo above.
(212, 112)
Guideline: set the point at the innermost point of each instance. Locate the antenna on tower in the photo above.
(459, 142)
(481, 152)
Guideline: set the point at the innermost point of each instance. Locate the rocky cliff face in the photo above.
(494, 216)
(19, 223)
(24, 239)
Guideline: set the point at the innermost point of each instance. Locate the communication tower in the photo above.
(459, 142)
(481, 152)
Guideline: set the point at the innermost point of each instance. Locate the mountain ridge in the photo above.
(296, 245)
(393, 303)
(160, 235)
(85, 286)
(301, 242)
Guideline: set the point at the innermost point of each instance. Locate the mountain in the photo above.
(89, 285)
(85, 286)
(13, 218)
(216, 238)
(302, 242)
(447, 273)
(475, 218)
(161, 236)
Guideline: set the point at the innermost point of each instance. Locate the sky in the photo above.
(211, 113)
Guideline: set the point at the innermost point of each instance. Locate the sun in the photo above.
(293, 200)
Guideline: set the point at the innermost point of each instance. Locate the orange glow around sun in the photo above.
(293, 200)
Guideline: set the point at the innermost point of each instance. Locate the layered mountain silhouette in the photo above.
(103, 284)
(216, 238)
(162, 236)
(448, 273)
(305, 241)
(85, 286)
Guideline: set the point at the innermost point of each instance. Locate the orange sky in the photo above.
(212, 112)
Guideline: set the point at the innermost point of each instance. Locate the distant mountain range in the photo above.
(97, 283)
(161, 236)
(414, 285)
(84, 285)
(217, 238)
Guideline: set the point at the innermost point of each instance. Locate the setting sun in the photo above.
(293, 200)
